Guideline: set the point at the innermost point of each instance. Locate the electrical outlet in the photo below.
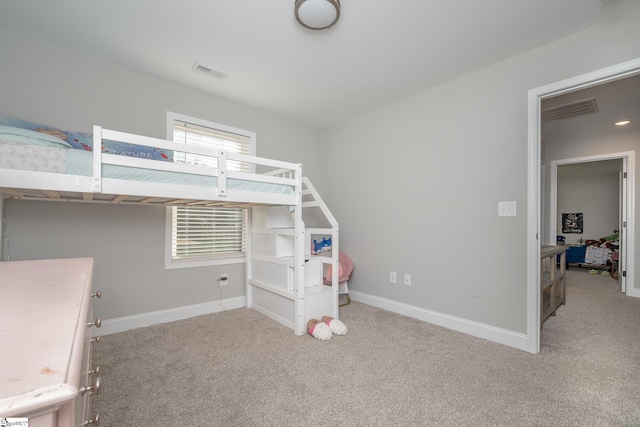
(224, 279)
(407, 279)
(392, 277)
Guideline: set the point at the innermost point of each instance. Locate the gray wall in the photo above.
(437, 165)
(415, 185)
(45, 84)
(595, 196)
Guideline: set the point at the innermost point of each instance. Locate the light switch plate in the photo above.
(506, 208)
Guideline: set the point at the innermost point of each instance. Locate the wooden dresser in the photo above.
(552, 280)
(45, 342)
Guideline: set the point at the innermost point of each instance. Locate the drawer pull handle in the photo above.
(97, 323)
(93, 389)
(95, 340)
(95, 421)
(96, 295)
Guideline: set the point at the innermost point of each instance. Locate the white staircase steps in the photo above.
(284, 276)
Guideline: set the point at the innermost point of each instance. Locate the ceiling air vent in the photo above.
(567, 111)
(208, 70)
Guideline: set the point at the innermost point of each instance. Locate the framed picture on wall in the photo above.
(572, 223)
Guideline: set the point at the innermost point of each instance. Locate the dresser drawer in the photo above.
(50, 304)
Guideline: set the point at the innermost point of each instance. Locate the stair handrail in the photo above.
(321, 204)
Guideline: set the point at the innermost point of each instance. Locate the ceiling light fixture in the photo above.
(622, 122)
(317, 14)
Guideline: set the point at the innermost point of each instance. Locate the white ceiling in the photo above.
(616, 100)
(379, 52)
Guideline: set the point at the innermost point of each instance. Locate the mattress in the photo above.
(80, 162)
(32, 158)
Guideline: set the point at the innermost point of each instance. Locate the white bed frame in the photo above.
(289, 306)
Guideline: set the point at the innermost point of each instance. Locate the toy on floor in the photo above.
(325, 329)
(336, 326)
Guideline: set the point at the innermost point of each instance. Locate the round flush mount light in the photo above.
(622, 122)
(317, 14)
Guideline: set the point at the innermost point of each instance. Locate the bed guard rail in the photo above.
(228, 164)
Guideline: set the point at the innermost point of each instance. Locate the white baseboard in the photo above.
(480, 330)
(633, 292)
(121, 324)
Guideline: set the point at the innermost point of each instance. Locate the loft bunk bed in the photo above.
(40, 166)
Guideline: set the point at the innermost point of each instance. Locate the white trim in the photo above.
(533, 224)
(628, 249)
(169, 262)
(535, 96)
(623, 215)
(632, 292)
(121, 324)
(476, 329)
(2, 228)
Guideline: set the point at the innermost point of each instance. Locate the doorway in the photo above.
(598, 186)
(534, 237)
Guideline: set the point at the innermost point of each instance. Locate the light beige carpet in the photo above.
(239, 368)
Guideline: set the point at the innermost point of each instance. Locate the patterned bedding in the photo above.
(31, 150)
(17, 129)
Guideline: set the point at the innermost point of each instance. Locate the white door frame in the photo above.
(627, 210)
(535, 97)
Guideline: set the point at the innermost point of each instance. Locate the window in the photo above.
(196, 235)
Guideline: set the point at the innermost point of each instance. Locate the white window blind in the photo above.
(202, 233)
(190, 134)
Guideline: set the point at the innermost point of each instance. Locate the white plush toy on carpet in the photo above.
(336, 326)
(318, 329)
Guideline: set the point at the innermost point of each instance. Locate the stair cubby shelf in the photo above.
(285, 281)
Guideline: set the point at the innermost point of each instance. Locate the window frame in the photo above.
(171, 263)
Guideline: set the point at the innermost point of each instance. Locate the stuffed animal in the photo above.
(324, 245)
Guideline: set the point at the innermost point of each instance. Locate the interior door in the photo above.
(622, 262)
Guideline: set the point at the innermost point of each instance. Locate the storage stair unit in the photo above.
(284, 275)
